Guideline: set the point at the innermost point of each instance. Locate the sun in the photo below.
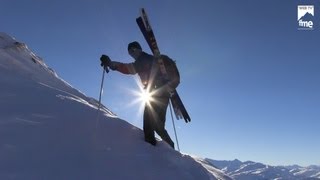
(142, 96)
(145, 96)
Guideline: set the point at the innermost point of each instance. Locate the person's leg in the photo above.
(148, 125)
(161, 110)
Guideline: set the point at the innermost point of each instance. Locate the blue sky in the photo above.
(249, 77)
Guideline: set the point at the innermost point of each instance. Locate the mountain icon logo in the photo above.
(305, 17)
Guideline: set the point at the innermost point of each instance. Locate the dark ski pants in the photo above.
(154, 119)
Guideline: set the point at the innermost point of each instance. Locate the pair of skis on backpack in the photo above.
(145, 27)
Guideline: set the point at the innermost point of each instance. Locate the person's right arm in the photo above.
(125, 68)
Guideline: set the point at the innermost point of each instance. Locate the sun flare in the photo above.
(145, 96)
(142, 97)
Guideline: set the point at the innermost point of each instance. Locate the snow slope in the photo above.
(48, 131)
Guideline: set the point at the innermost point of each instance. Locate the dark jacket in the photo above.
(147, 67)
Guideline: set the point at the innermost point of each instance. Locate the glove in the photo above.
(105, 60)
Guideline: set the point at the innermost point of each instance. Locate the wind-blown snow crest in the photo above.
(50, 130)
(18, 59)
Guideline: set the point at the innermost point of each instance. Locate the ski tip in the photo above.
(139, 20)
(142, 11)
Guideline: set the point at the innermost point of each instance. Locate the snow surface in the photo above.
(48, 131)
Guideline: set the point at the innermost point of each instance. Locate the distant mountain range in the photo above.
(250, 170)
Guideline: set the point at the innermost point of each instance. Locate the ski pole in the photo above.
(174, 126)
(101, 92)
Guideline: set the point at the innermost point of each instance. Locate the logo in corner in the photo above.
(305, 17)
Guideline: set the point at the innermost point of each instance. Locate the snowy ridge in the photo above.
(252, 170)
(18, 52)
(310, 171)
(16, 57)
(218, 174)
(316, 175)
(50, 130)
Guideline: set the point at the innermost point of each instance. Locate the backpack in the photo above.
(172, 71)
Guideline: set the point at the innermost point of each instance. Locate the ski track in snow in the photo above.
(42, 116)
(73, 97)
(30, 122)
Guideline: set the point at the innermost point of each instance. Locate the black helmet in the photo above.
(134, 44)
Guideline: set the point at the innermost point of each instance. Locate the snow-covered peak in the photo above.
(19, 63)
(17, 55)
